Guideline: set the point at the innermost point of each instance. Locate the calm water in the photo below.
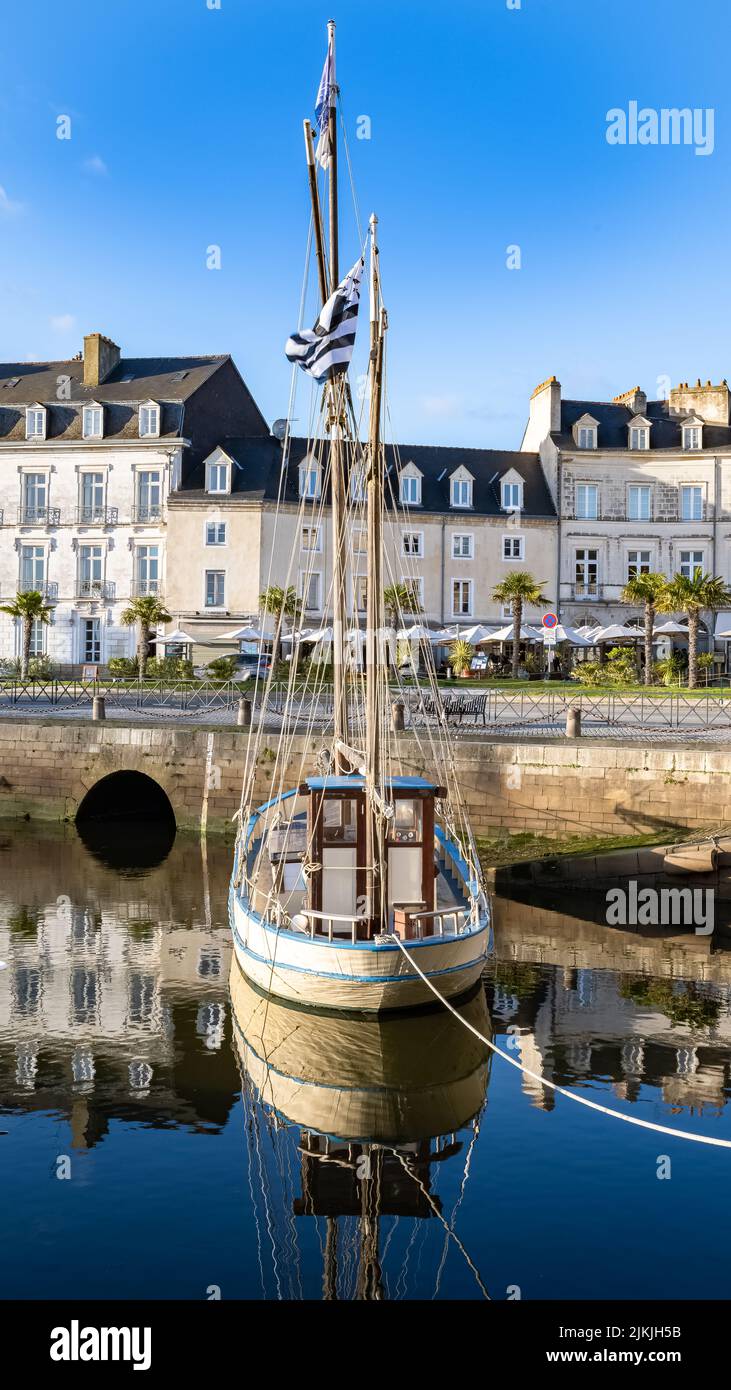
(190, 1117)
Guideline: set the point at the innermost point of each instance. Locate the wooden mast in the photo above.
(336, 422)
(375, 850)
(316, 214)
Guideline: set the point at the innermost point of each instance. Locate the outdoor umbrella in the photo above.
(246, 634)
(672, 629)
(568, 634)
(505, 634)
(176, 638)
(615, 632)
(474, 635)
(417, 633)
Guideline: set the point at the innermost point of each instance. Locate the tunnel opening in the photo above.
(126, 820)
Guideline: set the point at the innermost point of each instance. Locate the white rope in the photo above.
(543, 1081)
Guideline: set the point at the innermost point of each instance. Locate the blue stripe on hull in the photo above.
(357, 979)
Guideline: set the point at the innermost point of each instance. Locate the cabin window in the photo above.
(339, 821)
(406, 828)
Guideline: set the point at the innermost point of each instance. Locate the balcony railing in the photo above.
(142, 587)
(95, 589)
(39, 516)
(147, 514)
(38, 586)
(97, 516)
(586, 589)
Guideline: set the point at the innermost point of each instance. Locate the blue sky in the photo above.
(488, 129)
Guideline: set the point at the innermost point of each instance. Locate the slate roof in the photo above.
(258, 464)
(169, 380)
(613, 419)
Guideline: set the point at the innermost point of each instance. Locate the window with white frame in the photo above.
(93, 422)
(461, 492)
(691, 563)
(412, 543)
(415, 586)
(32, 568)
(410, 490)
(586, 573)
(462, 545)
(506, 611)
(91, 641)
(513, 547)
(358, 483)
(461, 598)
(215, 589)
(639, 437)
(149, 495)
(34, 507)
(38, 638)
(91, 488)
(217, 477)
(512, 495)
(639, 497)
(215, 533)
(311, 538)
(587, 501)
(638, 562)
(691, 502)
(360, 588)
(149, 420)
(309, 480)
(692, 436)
(309, 589)
(587, 436)
(359, 540)
(91, 571)
(35, 422)
(147, 570)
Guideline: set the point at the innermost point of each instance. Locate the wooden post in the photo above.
(316, 213)
(337, 481)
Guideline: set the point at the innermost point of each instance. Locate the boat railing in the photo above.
(437, 923)
(322, 924)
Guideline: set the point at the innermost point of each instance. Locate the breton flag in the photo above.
(323, 102)
(326, 350)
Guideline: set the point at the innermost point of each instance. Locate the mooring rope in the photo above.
(552, 1085)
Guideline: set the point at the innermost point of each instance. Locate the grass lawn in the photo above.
(504, 848)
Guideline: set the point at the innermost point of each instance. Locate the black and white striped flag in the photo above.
(326, 350)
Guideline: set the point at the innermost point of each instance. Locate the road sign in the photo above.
(549, 620)
(549, 639)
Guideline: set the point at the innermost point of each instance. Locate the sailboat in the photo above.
(356, 884)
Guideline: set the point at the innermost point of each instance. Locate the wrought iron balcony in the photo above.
(95, 589)
(147, 514)
(142, 587)
(39, 516)
(38, 586)
(586, 589)
(97, 516)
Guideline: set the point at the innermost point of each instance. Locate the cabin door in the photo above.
(338, 881)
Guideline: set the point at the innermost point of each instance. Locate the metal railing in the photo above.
(97, 516)
(38, 586)
(39, 516)
(185, 696)
(96, 589)
(142, 587)
(145, 515)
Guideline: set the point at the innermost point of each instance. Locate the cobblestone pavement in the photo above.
(623, 732)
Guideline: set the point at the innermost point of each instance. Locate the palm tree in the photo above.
(691, 596)
(646, 591)
(399, 599)
(281, 603)
(29, 608)
(146, 612)
(518, 589)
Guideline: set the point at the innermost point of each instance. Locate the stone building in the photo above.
(91, 449)
(638, 486)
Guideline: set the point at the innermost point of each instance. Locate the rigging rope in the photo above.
(553, 1085)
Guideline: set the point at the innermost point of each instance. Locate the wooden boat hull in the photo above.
(392, 1081)
(371, 976)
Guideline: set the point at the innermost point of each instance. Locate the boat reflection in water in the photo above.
(379, 1104)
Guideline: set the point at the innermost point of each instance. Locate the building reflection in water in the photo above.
(114, 1000)
(587, 1003)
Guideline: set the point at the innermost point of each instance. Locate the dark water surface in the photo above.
(164, 1131)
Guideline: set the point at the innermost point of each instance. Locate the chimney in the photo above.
(635, 400)
(101, 356)
(710, 402)
(545, 414)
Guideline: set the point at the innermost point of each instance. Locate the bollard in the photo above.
(243, 718)
(397, 717)
(573, 722)
(98, 708)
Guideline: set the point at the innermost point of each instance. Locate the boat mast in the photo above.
(336, 424)
(375, 857)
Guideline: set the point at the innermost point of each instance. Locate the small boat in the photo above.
(332, 876)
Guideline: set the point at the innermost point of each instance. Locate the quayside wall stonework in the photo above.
(556, 788)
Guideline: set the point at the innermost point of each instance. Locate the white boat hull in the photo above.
(369, 976)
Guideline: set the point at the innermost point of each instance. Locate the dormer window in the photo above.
(410, 486)
(512, 497)
(35, 422)
(309, 479)
(692, 436)
(587, 437)
(639, 436)
(461, 489)
(93, 421)
(358, 484)
(149, 420)
(217, 476)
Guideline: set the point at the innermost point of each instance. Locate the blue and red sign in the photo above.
(550, 621)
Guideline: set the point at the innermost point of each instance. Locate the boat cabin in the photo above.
(336, 825)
